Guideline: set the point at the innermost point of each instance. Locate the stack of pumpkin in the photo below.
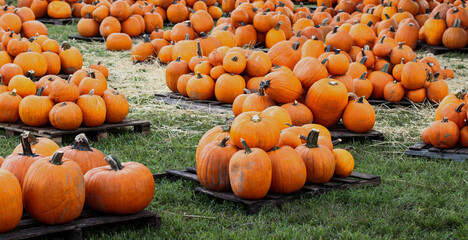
(53, 184)
(449, 127)
(254, 156)
(51, 9)
(83, 99)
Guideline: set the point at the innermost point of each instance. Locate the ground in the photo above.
(419, 198)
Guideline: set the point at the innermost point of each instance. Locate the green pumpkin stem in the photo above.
(27, 151)
(187, 36)
(385, 68)
(91, 93)
(13, 92)
(114, 163)
(360, 100)
(81, 143)
(199, 51)
(246, 147)
(223, 142)
(178, 59)
(199, 75)
(324, 61)
(363, 76)
(39, 91)
(296, 45)
(386, 15)
(335, 29)
(312, 139)
(278, 25)
(288, 124)
(275, 148)
(261, 90)
(57, 158)
(437, 15)
(444, 120)
(234, 59)
(457, 23)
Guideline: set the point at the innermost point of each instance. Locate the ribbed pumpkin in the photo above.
(217, 133)
(444, 134)
(300, 114)
(454, 112)
(434, 29)
(174, 70)
(213, 165)
(327, 100)
(11, 202)
(257, 101)
(23, 84)
(285, 53)
(309, 70)
(282, 87)
(19, 163)
(250, 172)
(258, 64)
(359, 115)
(70, 58)
(200, 87)
(318, 159)
(54, 190)
(40, 146)
(86, 156)
(344, 162)
(257, 130)
(393, 91)
(228, 87)
(34, 109)
(66, 116)
(289, 172)
(113, 189)
(363, 86)
(379, 80)
(10, 102)
(436, 89)
(413, 76)
(280, 114)
(63, 91)
(117, 106)
(93, 108)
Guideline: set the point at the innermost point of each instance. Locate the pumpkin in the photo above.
(119, 42)
(32, 61)
(63, 91)
(177, 12)
(23, 84)
(282, 87)
(99, 85)
(379, 80)
(250, 172)
(444, 134)
(455, 37)
(228, 87)
(436, 89)
(93, 108)
(344, 162)
(11, 21)
(19, 163)
(117, 106)
(362, 34)
(285, 53)
(454, 112)
(213, 165)
(464, 136)
(86, 156)
(70, 58)
(289, 172)
(245, 35)
(339, 39)
(234, 62)
(34, 109)
(434, 29)
(152, 21)
(87, 27)
(101, 68)
(312, 48)
(275, 35)
(66, 116)
(174, 70)
(121, 10)
(142, 51)
(327, 100)
(185, 49)
(200, 87)
(318, 159)
(40, 146)
(11, 203)
(16, 46)
(413, 76)
(393, 91)
(108, 26)
(457, 98)
(257, 101)
(280, 114)
(359, 115)
(309, 70)
(10, 102)
(61, 203)
(217, 133)
(8, 71)
(258, 64)
(300, 114)
(256, 129)
(59, 9)
(416, 96)
(362, 86)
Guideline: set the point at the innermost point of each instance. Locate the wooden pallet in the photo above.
(185, 102)
(356, 180)
(436, 50)
(458, 153)
(403, 103)
(94, 39)
(58, 21)
(340, 132)
(57, 135)
(29, 228)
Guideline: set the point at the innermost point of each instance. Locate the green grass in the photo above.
(419, 198)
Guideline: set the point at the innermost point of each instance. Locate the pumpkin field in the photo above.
(418, 197)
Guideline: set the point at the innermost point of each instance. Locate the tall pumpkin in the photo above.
(327, 100)
(70, 58)
(11, 202)
(116, 106)
(174, 70)
(83, 154)
(359, 115)
(54, 190)
(289, 172)
(93, 108)
(413, 76)
(113, 190)
(250, 172)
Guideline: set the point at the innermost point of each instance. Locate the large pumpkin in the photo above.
(213, 165)
(113, 189)
(54, 190)
(285, 53)
(11, 202)
(282, 87)
(300, 114)
(86, 156)
(327, 100)
(413, 76)
(256, 129)
(250, 172)
(359, 115)
(444, 134)
(289, 172)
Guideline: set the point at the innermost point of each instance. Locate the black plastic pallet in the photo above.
(29, 228)
(57, 135)
(356, 180)
(421, 149)
(59, 21)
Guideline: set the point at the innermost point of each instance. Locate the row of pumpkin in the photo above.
(53, 184)
(261, 153)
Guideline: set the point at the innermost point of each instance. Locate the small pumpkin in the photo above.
(117, 106)
(289, 172)
(344, 162)
(11, 205)
(200, 87)
(93, 108)
(66, 116)
(300, 114)
(393, 91)
(359, 115)
(444, 134)
(34, 109)
(256, 129)
(10, 102)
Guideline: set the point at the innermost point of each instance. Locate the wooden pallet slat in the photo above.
(309, 190)
(458, 153)
(59, 21)
(29, 228)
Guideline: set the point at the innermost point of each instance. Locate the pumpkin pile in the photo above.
(53, 187)
(449, 127)
(50, 9)
(254, 156)
(83, 99)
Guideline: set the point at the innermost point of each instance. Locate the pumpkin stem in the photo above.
(199, 52)
(312, 139)
(437, 16)
(265, 84)
(30, 74)
(187, 36)
(295, 103)
(66, 46)
(81, 143)
(246, 147)
(27, 151)
(324, 61)
(360, 100)
(57, 158)
(199, 75)
(337, 51)
(383, 38)
(363, 59)
(445, 119)
(457, 23)
(459, 108)
(349, 148)
(178, 59)
(370, 23)
(296, 45)
(289, 125)
(246, 91)
(91, 93)
(39, 91)
(386, 15)
(256, 118)
(91, 74)
(261, 90)
(225, 28)
(13, 93)
(335, 29)
(363, 76)
(337, 141)
(392, 28)
(278, 25)
(333, 83)
(324, 22)
(385, 68)
(223, 142)
(275, 148)
(234, 59)
(113, 162)
(146, 38)
(203, 35)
